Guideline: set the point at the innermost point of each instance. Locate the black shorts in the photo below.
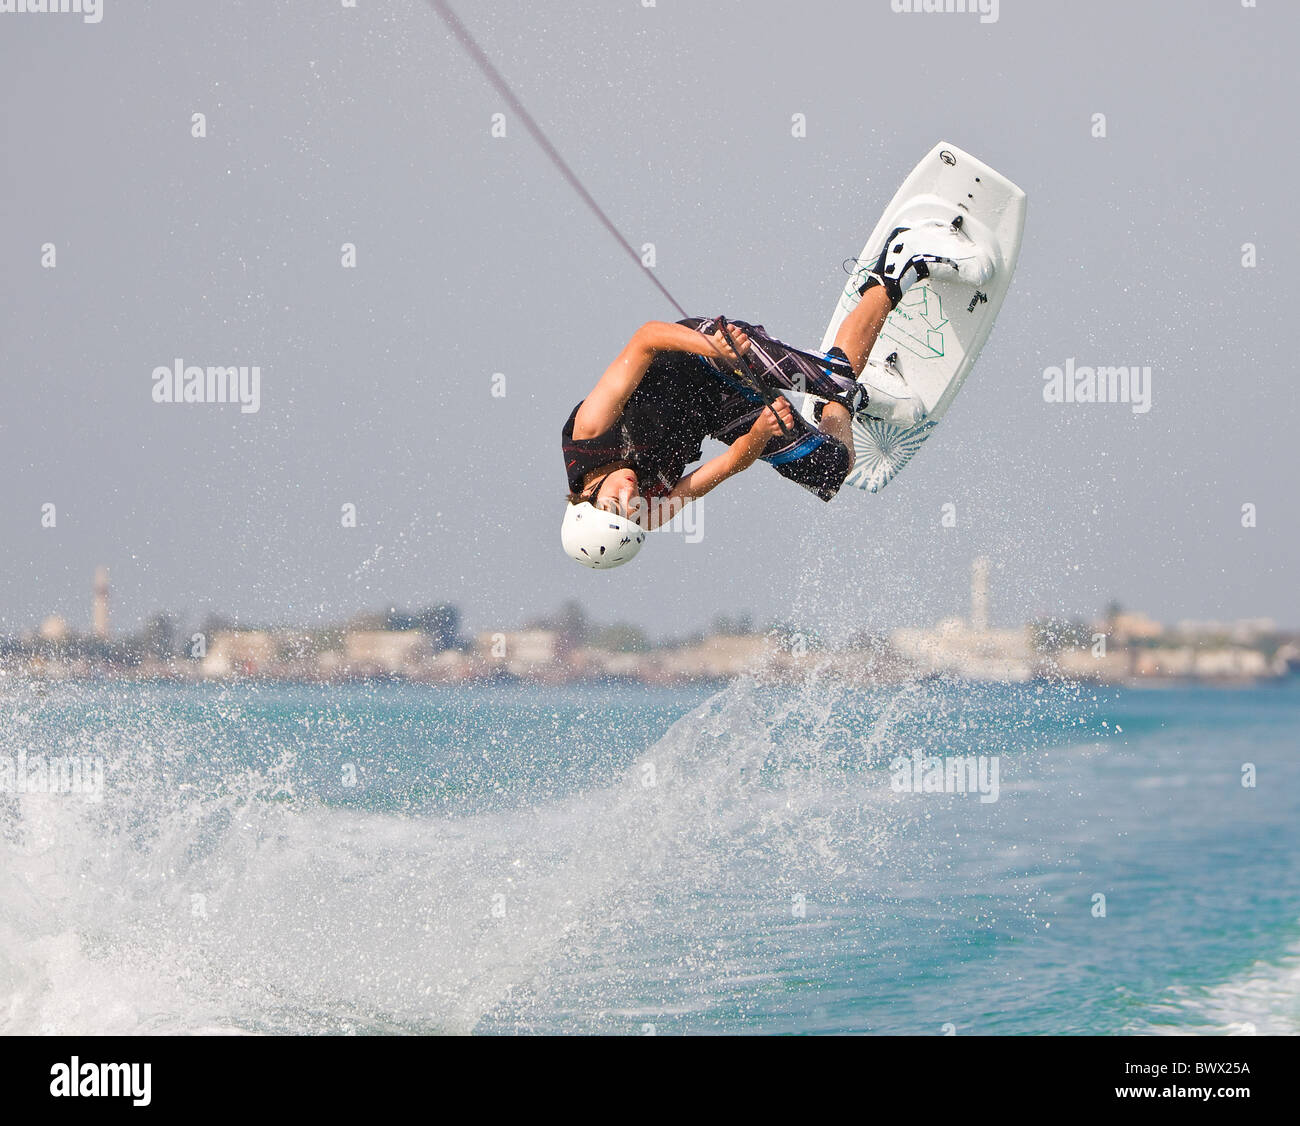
(808, 456)
(818, 462)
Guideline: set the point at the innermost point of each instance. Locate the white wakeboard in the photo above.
(941, 323)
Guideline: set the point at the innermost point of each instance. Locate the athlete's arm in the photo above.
(739, 456)
(605, 404)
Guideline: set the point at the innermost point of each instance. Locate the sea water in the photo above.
(617, 859)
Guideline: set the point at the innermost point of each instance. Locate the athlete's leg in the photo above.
(858, 333)
(837, 422)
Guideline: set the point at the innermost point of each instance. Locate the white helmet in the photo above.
(600, 539)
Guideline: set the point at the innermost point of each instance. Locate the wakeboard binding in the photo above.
(912, 254)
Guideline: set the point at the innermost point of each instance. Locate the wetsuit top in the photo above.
(662, 428)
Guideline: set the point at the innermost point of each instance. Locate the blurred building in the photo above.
(1131, 625)
(718, 657)
(1243, 631)
(970, 649)
(979, 594)
(99, 604)
(1114, 663)
(386, 652)
(241, 652)
(52, 628)
(521, 652)
(1226, 663)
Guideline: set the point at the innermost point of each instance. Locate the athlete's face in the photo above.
(618, 493)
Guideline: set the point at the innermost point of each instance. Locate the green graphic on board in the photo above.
(917, 323)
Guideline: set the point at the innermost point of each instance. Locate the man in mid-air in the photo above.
(628, 443)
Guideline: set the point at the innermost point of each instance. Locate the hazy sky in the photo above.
(329, 125)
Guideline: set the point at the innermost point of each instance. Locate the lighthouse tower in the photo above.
(979, 594)
(99, 604)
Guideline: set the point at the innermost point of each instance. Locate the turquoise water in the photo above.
(624, 860)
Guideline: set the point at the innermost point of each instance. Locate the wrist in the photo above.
(745, 451)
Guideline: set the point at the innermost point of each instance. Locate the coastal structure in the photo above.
(970, 648)
(427, 647)
(99, 604)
